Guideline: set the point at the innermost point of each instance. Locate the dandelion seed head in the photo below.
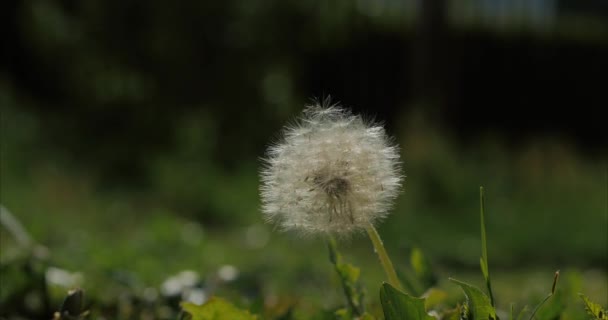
(331, 172)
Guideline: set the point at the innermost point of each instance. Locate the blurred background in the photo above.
(132, 132)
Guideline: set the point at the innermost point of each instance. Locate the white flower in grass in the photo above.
(331, 172)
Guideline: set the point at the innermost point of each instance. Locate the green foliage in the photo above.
(479, 305)
(216, 309)
(21, 277)
(434, 297)
(554, 308)
(422, 268)
(398, 305)
(551, 307)
(349, 277)
(346, 314)
(419, 275)
(522, 312)
(594, 309)
(511, 311)
(483, 261)
(76, 203)
(454, 314)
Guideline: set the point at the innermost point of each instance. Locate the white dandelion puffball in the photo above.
(331, 172)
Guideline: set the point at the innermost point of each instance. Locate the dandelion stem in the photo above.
(383, 256)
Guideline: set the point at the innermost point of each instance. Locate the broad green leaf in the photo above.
(398, 305)
(216, 309)
(480, 306)
(594, 309)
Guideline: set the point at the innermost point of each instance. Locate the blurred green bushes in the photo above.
(547, 201)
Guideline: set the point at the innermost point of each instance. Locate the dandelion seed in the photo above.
(331, 172)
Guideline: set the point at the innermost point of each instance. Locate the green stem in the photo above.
(383, 256)
(485, 269)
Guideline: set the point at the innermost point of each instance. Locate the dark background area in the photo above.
(121, 73)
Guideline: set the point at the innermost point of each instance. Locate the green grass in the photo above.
(545, 210)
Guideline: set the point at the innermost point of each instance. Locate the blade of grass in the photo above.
(555, 278)
(511, 312)
(483, 261)
(522, 312)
